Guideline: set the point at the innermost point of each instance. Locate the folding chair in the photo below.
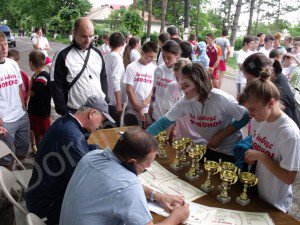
(24, 175)
(7, 181)
(33, 219)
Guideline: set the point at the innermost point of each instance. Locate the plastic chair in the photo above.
(33, 219)
(24, 175)
(7, 181)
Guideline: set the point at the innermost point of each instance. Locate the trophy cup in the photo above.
(176, 164)
(249, 180)
(212, 168)
(200, 151)
(226, 166)
(162, 139)
(192, 174)
(185, 147)
(229, 177)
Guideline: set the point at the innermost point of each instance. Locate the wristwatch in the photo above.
(152, 196)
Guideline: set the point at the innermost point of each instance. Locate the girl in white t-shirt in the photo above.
(131, 52)
(210, 111)
(275, 141)
(163, 75)
(182, 128)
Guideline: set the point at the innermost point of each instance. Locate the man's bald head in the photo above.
(83, 32)
(83, 22)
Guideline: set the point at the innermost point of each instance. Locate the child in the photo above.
(115, 73)
(276, 142)
(202, 57)
(131, 52)
(40, 97)
(139, 78)
(163, 75)
(162, 38)
(105, 49)
(182, 128)
(15, 55)
(209, 110)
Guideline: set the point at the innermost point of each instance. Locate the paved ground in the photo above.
(24, 46)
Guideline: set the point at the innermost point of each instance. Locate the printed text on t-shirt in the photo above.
(204, 121)
(146, 78)
(263, 144)
(8, 80)
(162, 82)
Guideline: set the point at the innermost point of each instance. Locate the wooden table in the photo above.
(108, 138)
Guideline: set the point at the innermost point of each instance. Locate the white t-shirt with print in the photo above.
(134, 55)
(216, 114)
(115, 74)
(10, 102)
(280, 140)
(183, 126)
(240, 58)
(162, 77)
(141, 77)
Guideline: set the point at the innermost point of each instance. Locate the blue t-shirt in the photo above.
(102, 191)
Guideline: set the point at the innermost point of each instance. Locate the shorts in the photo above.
(215, 74)
(48, 61)
(39, 125)
(222, 65)
(239, 88)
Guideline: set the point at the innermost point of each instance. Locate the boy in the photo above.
(40, 97)
(105, 48)
(139, 78)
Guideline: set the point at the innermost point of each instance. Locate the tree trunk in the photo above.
(249, 29)
(164, 4)
(198, 18)
(229, 13)
(135, 4)
(277, 16)
(257, 15)
(143, 8)
(186, 18)
(149, 19)
(235, 22)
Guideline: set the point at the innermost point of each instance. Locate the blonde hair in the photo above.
(3, 37)
(180, 63)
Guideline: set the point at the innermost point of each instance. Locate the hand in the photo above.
(289, 55)
(215, 141)
(119, 108)
(137, 107)
(142, 115)
(169, 202)
(1, 122)
(172, 134)
(181, 212)
(251, 156)
(210, 70)
(3, 130)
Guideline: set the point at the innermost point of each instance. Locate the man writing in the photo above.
(105, 189)
(69, 93)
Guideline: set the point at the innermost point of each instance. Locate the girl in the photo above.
(209, 110)
(276, 142)
(131, 52)
(182, 128)
(163, 75)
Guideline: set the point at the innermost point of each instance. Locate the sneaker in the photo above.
(34, 149)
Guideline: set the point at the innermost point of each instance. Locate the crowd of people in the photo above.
(118, 84)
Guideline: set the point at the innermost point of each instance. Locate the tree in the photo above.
(143, 8)
(186, 16)
(135, 4)
(198, 18)
(164, 4)
(235, 22)
(68, 17)
(249, 29)
(149, 19)
(133, 22)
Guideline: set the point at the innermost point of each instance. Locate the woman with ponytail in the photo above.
(131, 52)
(275, 140)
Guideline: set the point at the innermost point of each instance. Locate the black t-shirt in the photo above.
(40, 102)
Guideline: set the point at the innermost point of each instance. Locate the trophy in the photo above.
(212, 168)
(176, 164)
(185, 147)
(200, 151)
(249, 180)
(229, 177)
(192, 174)
(226, 166)
(162, 138)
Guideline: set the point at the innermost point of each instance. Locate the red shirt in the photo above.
(213, 52)
(25, 86)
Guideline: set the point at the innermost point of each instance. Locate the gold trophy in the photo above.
(162, 138)
(185, 148)
(200, 151)
(249, 180)
(229, 177)
(226, 166)
(192, 174)
(212, 168)
(176, 165)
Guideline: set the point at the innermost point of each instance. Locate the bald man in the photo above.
(78, 71)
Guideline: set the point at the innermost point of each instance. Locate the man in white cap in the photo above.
(62, 147)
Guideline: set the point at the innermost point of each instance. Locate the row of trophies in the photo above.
(229, 173)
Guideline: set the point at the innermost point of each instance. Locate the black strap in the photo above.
(81, 71)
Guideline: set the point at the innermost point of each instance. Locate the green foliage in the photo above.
(238, 44)
(68, 17)
(231, 62)
(271, 28)
(153, 37)
(294, 31)
(133, 22)
(115, 19)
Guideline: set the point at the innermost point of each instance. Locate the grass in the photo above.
(59, 40)
(232, 63)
